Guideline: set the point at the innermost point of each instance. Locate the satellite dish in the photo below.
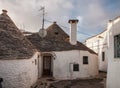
(42, 33)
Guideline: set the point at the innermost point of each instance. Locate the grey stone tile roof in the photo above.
(13, 45)
(56, 40)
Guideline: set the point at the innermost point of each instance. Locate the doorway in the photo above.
(47, 66)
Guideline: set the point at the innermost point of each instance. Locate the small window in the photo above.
(103, 56)
(56, 33)
(117, 46)
(75, 67)
(85, 59)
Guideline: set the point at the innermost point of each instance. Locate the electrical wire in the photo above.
(83, 33)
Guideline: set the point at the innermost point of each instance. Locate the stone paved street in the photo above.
(79, 83)
(98, 82)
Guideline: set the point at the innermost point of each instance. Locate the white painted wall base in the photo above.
(19, 73)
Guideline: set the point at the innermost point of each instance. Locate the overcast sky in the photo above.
(93, 15)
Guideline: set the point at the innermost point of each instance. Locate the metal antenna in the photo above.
(42, 32)
(43, 9)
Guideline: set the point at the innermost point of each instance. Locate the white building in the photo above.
(59, 56)
(18, 61)
(63, 57)
(98, 43)
(113, 76)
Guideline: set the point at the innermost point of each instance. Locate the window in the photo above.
(103, 56)
(85, 59)
(117, 46)
(75, 67)
(56, 33)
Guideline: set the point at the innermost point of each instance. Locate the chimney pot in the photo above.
(73, 21)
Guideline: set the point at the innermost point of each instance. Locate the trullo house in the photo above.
(18, 66)
(61, 56)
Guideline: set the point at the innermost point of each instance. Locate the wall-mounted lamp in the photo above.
(54, 55)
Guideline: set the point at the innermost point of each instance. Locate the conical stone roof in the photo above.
(56, 40)
(13, 45)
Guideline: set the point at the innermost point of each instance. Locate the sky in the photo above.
(93, 15)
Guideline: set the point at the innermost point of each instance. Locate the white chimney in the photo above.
(73, 31)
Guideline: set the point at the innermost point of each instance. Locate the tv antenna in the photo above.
(43, 13)
(43, 32)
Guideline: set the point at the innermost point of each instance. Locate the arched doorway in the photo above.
(47, 68)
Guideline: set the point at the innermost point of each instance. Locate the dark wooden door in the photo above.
(47, 70)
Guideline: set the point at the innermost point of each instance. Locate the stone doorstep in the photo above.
(45, 82)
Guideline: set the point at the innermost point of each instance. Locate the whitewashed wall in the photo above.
(61, 65)
(20, 73)
(40, 66)
(91, 69)
(113, 76)
(99, 44)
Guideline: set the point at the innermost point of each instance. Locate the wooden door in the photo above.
(47, 70)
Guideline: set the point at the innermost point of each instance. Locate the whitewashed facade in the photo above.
(63, 61)
(63, 57)
(113, 76)
(22, 73)
(99, 44)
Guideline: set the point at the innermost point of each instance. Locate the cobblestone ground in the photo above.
(80, 83)
(98, 82)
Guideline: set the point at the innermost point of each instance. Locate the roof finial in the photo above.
(54, 22)
(42, 32)
(4, 11)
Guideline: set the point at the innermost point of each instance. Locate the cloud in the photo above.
(92, 14)
(26, 13)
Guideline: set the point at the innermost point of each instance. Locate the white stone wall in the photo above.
(20, 73)
(91, 69)
(113, 76)
(99, 44)
(62, 67)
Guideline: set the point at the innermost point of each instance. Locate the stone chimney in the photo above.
(73, 31)
(4, 11)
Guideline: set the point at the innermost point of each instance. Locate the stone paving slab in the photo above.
(79, 83)
(97, 82)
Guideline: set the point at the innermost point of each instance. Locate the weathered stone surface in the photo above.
(13, 45)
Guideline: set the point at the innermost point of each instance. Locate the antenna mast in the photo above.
(42, 32)
(43, 9)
